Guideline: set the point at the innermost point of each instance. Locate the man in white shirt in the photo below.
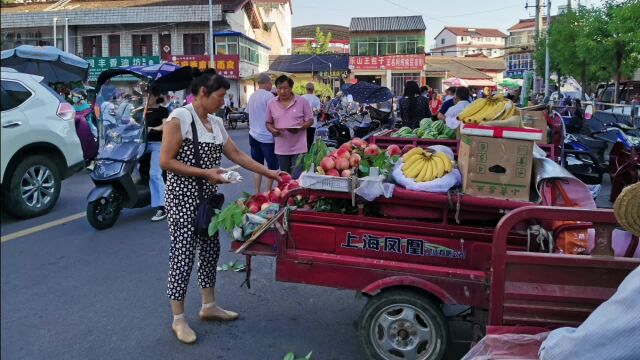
(314, 101)
(125, 108)
(260, 139)
(461, 101)
(108, 112)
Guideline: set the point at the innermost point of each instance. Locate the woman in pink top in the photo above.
(288, 118)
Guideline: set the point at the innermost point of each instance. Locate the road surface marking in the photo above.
(45, 226)
(41, 227)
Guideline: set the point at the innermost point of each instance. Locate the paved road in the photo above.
(71, 292)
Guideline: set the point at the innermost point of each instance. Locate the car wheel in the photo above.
(402, 325)
(34, 187)
(104, 212)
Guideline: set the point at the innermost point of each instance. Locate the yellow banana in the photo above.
(472, 109)
(439, 167)
(479, 116)
(495, 111)
(423, 172)
(509, 110)
(414, 170)
(415, 150)
(412, 160)
(448, 166)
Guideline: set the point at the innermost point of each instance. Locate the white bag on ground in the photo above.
(370, 187)
(443, 184)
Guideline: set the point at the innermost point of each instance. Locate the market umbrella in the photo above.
(454, 82)
(510, 83)
(49, 62)
(367, 93)
(164, 77)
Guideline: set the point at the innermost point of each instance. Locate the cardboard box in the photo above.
(535, 119)
(497, 162)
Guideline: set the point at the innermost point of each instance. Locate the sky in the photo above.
(436, 14)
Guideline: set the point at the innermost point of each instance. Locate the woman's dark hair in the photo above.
(283, 78)
(210, 81)
(462, 93)
(452, 90)
(423, 89)
(411, 93)
(159, 100)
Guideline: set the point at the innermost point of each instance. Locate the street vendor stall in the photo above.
(411, 241)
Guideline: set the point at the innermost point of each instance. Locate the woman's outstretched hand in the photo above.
(214, 176)
(275, 174)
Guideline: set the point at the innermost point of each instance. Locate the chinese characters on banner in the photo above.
(390, 62)
(226, 65)
(100, 64)
(397, 245)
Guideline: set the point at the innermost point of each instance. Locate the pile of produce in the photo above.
(355, 157)
(232, 215)
(424, 165)
(489, 109)
(428, 130)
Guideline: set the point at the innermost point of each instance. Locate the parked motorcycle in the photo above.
(117, 179)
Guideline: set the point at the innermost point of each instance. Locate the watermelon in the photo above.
(425, 123)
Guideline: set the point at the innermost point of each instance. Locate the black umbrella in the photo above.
(367, 93)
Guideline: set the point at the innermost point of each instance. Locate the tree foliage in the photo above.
(594, 44)
(321, 90)
(319, 46)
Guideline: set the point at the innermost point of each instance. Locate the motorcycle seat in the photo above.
(591, 142)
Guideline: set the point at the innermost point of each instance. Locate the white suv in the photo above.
(39, 144)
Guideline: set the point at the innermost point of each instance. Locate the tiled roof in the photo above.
(227, 5)
(338, 32)
(528, 24)
(308, 63)
(390, 23)
(453, 67)
(461, 31)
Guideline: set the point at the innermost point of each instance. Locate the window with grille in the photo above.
(193, 44)
(92, 46)
(141, 45)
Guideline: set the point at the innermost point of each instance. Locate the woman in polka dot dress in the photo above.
(181, 195)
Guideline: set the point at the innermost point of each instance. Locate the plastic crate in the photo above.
(315, 181)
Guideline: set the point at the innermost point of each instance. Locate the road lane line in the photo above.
(41, 227)
(45, 226)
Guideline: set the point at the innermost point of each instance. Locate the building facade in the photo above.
(460, 42)
(521, 44)
(387, 51)
(302, 35)
(144, 32)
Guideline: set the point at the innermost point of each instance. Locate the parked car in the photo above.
(39, 145)
(628, 90)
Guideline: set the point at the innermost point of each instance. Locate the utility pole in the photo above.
(55, 32)
(66, 34)
(536, 84)
(211, 46)
(546, 57)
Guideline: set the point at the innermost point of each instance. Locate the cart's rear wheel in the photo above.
(402, 325)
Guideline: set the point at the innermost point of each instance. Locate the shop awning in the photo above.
(309, 63)
(479, 82)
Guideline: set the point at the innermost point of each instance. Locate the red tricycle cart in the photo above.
(428, 250)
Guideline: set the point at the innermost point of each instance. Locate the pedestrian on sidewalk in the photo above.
(315, 104)
(155, 118)
(288, 118)
(183, 179)
(260, 139)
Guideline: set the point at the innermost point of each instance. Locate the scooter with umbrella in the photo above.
(118, 182)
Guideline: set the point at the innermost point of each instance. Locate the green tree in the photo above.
(321, 90)
(622, 42)
(319, 46)
(594, 44)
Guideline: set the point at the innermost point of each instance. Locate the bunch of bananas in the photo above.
(422, 165)
(488, 109)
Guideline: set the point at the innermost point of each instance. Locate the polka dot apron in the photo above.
(181, 200)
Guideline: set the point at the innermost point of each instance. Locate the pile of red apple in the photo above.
(261, 201)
